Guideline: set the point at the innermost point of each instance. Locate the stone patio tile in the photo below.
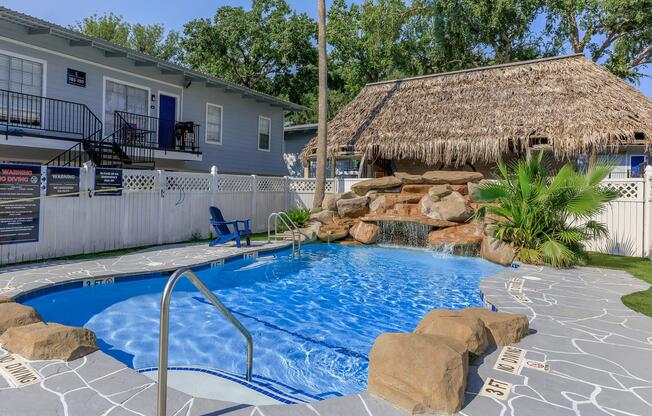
(96, 365)
(623, 401)
(86, 402)
(341, 406)
(30, 401)
(378, 407)
(119, 382)
(204, 407)
(64, 382)
(527, 406)
(636, 360)
(286, 410)
(589, 409)
(482, 406)
(120, 411)
(145, 401)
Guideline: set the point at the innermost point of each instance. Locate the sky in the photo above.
(171, 13)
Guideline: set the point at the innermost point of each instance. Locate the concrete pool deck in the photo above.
(598, 351)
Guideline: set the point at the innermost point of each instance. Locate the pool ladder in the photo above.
(289, 224)
(165, 327)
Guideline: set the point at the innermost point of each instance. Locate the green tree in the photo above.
(546, 220)
(616, 32)
(265, 48)
(148, 39)
(501, 29)
(109, 27)
(366, 41)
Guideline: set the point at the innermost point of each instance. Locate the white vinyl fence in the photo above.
(159, 207)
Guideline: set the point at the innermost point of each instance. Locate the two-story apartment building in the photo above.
(67, 98)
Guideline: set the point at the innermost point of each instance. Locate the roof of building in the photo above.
(35, 26)
(301, 127)
(480, 114)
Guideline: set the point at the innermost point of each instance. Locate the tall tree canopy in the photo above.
(616, 32)
(268, 48)
(148, 39)
(271, 48)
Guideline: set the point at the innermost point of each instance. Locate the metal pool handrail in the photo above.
(164, 331)
(293, 228)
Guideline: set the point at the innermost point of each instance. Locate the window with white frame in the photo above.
(264, 133)
(21, 76)
(213, 123)
(123, 97)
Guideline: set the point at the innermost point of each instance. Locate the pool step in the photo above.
(215, 384)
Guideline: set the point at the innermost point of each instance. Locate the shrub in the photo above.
(299, 216)
(546, 219)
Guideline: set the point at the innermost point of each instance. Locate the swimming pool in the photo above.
(313, 318)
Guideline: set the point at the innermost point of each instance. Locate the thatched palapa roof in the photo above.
(478, 115)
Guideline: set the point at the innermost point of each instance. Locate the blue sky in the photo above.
(172, 13)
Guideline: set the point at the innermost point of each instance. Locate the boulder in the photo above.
(451, 177)
(416, 189)
(462, 189)
(41, 341)
(497, 251)
(333, 232)
(502, 328)
(466, 234)
(365, 232)
(329, 202)
(377, 203)
(5, 299)
(451, 207)
(309, 233)
(386, 182)
(464, 329)
(353, 208)
(437, 192)
(324, 216)
(15, 315)
(408, 178)
(418, 373)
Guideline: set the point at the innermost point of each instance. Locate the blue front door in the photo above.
(166, 113)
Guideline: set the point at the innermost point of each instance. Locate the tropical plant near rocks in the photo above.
(546, 219)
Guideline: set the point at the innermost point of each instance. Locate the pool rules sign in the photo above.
(20, 188)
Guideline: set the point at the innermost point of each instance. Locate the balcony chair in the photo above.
(224, 234)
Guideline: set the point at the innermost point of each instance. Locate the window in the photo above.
(264, 133)
(21, 76)
(637, 165)
(122, 97)
(213, 123)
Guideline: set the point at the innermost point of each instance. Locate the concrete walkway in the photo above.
(599, 352)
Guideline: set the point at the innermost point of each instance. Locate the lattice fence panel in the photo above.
(233, 183)
(270, 184)
(140, 180)
(192, 182)
(628, 190)
(308, 185)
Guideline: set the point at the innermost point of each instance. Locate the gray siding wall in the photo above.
(294, 144)
(238, 152)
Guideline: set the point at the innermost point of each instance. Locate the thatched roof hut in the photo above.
(567, 104)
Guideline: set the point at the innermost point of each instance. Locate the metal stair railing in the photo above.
(289, 224)
(164, 331)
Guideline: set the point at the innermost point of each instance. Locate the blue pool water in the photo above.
(313, 319)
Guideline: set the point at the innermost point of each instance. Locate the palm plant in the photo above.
(546, 219)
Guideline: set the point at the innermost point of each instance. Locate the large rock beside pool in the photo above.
(15, 315)
(419, 374)
(497, 251)
(324, 216)
(469, 330)
(408, 178)
(330, 200)
(464, 235)
(5, 299)
(502, 328)
(353, 208)
(386, 182)
(450, 207)
(332, 232)
(364, 232)
(451, 177)
(41, 341)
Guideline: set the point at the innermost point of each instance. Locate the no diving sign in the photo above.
(18, 372)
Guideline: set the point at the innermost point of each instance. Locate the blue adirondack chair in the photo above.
(224, 234)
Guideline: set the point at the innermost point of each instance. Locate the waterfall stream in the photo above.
(403, 233)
